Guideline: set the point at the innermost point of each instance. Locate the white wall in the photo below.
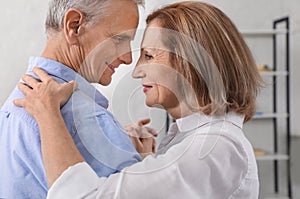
(21, 35)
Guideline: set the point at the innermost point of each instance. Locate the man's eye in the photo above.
(148, 57)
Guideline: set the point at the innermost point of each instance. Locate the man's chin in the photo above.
(105, 82)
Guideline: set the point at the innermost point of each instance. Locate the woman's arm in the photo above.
(58, 149)
(43, 101)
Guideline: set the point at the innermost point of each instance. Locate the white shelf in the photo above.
(266, 116)
(262, 32)
(273, 73)
(272, 157)
(270, 115)
(276, 196)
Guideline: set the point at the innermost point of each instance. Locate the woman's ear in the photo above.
(73, 25)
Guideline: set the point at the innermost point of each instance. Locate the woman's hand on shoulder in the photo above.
(45, 96)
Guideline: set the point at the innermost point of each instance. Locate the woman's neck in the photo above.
(180, 111)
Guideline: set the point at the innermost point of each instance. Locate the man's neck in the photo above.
(57, 49)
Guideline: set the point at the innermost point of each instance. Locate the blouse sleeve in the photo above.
(198, 167)
(78, 181)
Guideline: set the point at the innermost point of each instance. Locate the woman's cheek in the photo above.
(152, 96)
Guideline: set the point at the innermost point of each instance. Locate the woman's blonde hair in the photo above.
(222, 42)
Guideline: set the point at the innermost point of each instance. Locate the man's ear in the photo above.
(73, 25)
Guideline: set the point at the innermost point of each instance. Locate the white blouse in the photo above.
(201, 157)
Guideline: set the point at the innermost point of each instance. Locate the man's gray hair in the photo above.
(93, 10)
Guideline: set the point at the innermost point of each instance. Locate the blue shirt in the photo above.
(102, 141)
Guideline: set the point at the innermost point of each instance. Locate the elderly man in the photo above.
(87, 41)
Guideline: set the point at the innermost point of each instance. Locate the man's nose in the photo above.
(126, 58)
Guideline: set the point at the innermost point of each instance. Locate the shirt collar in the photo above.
(194, 121)
(66, 74)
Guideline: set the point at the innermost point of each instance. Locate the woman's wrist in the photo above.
(45, 115)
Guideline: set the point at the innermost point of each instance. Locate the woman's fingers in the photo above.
(25, 89)
(151, 131)
(20, 102)
(65, 91)
(148, 145)
(144, 121)
(146, 129)
(144, 145)
(153, 146)
(69, 87)
(30, 81)
(135, 139)
(43, 76)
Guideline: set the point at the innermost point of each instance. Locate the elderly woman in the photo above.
(195, 65)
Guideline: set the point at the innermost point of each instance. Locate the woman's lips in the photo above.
(147, 88)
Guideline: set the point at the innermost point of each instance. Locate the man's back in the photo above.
(22, 173)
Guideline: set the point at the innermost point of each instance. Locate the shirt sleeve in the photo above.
(185, 171)
(154, 177)
(101, 137)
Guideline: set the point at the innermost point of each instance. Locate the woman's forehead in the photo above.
(153, 39)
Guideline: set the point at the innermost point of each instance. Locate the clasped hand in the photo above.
(142, 137)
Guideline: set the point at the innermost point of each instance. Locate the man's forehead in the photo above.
(126, 35)
(123, 17)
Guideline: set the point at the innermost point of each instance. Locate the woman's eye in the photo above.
(148, 57)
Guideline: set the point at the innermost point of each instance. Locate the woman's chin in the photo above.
(149, 104)
(154, 105)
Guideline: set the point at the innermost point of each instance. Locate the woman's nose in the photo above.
(138, 72)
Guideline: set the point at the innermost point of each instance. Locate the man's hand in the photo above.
(142, 137)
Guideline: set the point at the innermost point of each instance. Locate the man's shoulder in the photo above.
(11, 112)
(80, 102)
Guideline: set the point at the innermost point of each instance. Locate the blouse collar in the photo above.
(194, 121)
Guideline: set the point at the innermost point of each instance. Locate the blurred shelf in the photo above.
(262, 32)
(276, 196)
(260, 115)
(279, 34)
(272, 157)
(273, 73)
